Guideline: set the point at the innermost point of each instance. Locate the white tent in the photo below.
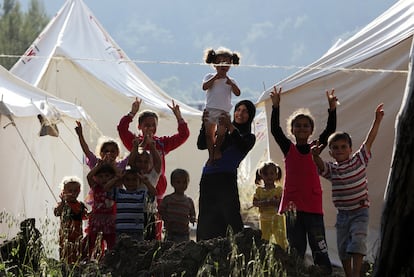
(32, 166)
(367, 69)
(75, 59)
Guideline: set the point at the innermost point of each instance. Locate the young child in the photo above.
(148, 165)
(109, 151)
(71, 213)
(302, 192)
(102, 216)
(177, 209)
(131, 202)
(147, 124)
(350, 192)
(219, 88)
(267, 199)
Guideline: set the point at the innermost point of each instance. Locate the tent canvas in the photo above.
(75, 59)
(367, 69)
(32, 166)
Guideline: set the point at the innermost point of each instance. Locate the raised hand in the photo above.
(175, 108)
(136, 105)
(379, 112)
(332, 99)
(275, 96)
(316, 148)
(78, 128)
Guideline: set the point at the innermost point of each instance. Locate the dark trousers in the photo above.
(219, 206)
(308, 227)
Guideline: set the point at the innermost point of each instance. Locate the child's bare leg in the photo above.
(346, 264)
(221, 132)
(357, 264)
(210, 140)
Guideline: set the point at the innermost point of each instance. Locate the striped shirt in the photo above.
(349, 180)
(176, 212)
(130, 207)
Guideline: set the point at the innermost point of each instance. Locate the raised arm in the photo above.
(175, 108)
(275, 129)
(84, 145)
(125, 135)
(135, 107)
(372, 134)
(331, 123)
(176, 140)
(332, 99)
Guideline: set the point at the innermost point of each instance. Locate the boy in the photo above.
(177, 209)
(131, 202)
(349, 192)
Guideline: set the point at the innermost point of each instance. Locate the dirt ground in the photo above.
(244, 254)
(216, 257)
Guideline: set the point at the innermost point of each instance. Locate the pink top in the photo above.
(102, 216)
(302, 187)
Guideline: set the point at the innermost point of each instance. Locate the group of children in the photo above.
(126, 194)
(123, 193)
(291, 215)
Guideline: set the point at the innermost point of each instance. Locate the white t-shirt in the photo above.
(219, 95)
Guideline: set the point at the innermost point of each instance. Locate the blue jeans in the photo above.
(352, 232)
(311, 227)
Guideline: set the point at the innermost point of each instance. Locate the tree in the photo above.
(396, 252)
(18, 30)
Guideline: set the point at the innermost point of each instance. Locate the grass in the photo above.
(237, 255)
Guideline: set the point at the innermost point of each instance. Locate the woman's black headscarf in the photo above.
(246, 127)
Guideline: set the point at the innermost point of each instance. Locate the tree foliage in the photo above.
(19, 29)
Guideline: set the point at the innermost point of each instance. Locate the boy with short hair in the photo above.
(130, 202)
(177, 209)
(350, 192)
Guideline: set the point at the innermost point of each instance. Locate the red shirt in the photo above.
(302, 184)
(164, 144)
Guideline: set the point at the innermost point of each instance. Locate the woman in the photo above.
(219, 204)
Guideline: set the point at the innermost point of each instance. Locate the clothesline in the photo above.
(269, 66)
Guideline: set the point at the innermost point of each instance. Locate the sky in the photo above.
(275, 38)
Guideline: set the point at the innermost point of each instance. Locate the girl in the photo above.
(219, 88)
(71, 213)
(267, 199)
(302, 192)
(108, 151)
(103, 214)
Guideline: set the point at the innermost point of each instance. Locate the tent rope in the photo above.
(67, 146)
(271, 66)
(31, 155)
